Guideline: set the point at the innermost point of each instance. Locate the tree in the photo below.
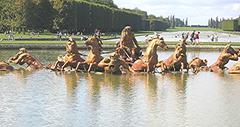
(173, 21)
(62, 14)
(12, 14)
(217, 23)
(179, 22)
(109, 3)
(152, 17)
(140, 12)
(186, 22)
(39, 15)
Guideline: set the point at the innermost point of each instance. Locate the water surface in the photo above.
(204, 36)
(45, 98)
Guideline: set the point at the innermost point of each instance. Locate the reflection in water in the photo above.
(2, 73)
(93, 84)
(71, 79)
(180, 81)
(43, 98)
(22, 73)
(235, 77)
(149, 82)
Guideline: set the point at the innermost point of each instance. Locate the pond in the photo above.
(45, 98)
(204, 36)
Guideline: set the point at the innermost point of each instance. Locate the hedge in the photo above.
(71, 16)
(158, 25)
(230, 25)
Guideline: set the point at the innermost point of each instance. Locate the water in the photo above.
(204, 36)
(45, 98)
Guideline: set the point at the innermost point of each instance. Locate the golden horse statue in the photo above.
(198, 64)
(94, 55)
(150, 58)
(235, 69)
(4, 66)
(130, 50)
(227, 54)
(177, 61)
(23, 57)
(71, 58)
(114, 64)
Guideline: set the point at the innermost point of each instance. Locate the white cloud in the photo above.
(198, 12)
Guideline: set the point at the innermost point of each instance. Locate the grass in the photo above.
(19, 36)
(54, 35)
(208, 43)
(34, 42)
(194, 28)
(116, 35)
(113, 43)
(113, 35)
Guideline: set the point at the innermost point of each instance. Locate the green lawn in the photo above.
(110, 43)
(18, 36)
(54, 35)
(194, 28)
(209, 43)
(115, 35)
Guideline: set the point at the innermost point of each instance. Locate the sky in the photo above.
(197, 11)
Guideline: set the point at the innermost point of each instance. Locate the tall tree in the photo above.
(173, 22)
(186, 22)
(13, 14)
(62, 14)
(217, 23)
(39, 15)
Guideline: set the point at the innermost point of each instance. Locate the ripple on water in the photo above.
(45, 98)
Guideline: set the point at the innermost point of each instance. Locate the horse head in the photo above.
(94, 42)
(71, 46)
(126, 30)
(184, 38)
(229, 49)
(18, 58)
(181, 47)
(205, 62)
(159, 42)
(23, 57)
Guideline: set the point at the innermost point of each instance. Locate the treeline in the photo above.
(225, 24)
(72, 16)
(177, 22)
(214, 23)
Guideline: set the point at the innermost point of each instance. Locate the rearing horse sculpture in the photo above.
(178, 60)
(198, 64)
(114, 64)
(94, 55)
(150, 58)
(71, 58)
(235, 69)
(227, 54)
(23, 57)
(4, 66)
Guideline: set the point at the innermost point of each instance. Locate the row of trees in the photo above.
(225, 24)
(109, 3)
(177, 22)
(73, 16)
(214, 23)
